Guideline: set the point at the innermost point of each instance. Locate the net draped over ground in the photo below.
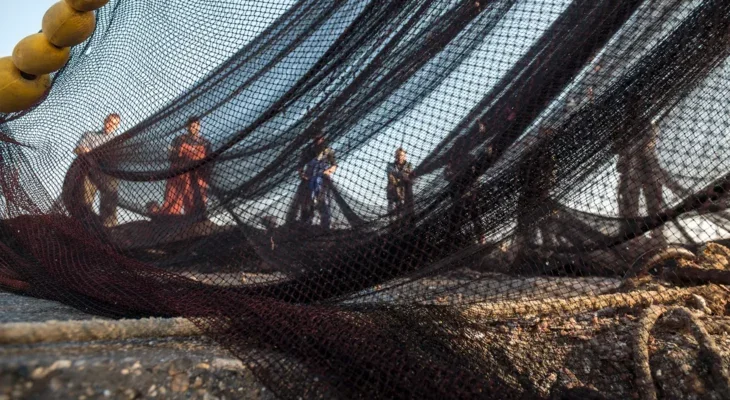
(542, 139)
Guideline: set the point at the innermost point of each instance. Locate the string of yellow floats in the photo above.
(24, 77)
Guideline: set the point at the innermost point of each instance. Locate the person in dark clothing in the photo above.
(152, 208)
(638, 169)
(462, 161)
(318, 164)
(536, 178)
(96, 181)
(399, 190)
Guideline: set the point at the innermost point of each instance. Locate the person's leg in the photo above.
(188, 194)
(523, 234)
(392, 210)
(651, 185)
(549, 235)
(399, 211)
(474, 217)
(173, 203)
(89, 193)
(108, 201)
(203, 197)
(307, 208)
(628, 192)
(324, 211)
(408, 208)
(478, 225)
(198, 197)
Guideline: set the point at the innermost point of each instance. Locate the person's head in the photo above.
(635, 102)
(193, 125)
(400, 155)
(482, 127)
(546, 132)
(269, 222)
(570, 104)
(111, 122)
(318, 138)
(152, 207)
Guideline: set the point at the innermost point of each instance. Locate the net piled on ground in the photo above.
(550, 150)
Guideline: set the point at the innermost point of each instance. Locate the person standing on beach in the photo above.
(97, 182)
(399, 189)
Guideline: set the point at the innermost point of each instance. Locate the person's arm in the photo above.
(449, 171)
(208, 148)
(173, 149)
(208, 166)
(331, 170)
(333, 163)
(403, 175)
(303, 161)
(654, 135)
(392, 180)
(82, 147)
(303, 172)
(79, 150)
(393, 183)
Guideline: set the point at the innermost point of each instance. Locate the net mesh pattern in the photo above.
(365, 176)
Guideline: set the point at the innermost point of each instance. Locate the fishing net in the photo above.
(555, 153)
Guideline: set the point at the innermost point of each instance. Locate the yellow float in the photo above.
(37, 56)
(86, 5)
(65, 26)
(18, 92)
(24, 76)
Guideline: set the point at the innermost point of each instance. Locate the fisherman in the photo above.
(96, 181)
(188, 193)
(399, 190)
(461, 161)
(152, 208)
(638, 168)
(318, 164)
(270, 223)
(536, 178)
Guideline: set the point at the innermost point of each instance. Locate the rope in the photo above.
(642, 369)
(655, 257)
(708, 348)
(91, 330)
(96, 330)
(578, 304)
(698, 275)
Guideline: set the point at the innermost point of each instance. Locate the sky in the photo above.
(18, 19)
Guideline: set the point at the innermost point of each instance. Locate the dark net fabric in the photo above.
(555, 141)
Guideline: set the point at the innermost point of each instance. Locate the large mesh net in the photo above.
(347, 194)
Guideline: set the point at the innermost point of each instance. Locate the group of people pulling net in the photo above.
(352, 196)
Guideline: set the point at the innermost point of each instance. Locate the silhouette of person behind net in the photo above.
(318, 164)
(639, 171)
(462, 161)
(399, 189)
(95, 181)
(536, 178)
(187, 194)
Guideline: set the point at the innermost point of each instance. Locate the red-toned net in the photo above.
(550, 145)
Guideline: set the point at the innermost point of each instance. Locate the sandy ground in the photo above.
(539, 354)
(169, 368)
(15, 308)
